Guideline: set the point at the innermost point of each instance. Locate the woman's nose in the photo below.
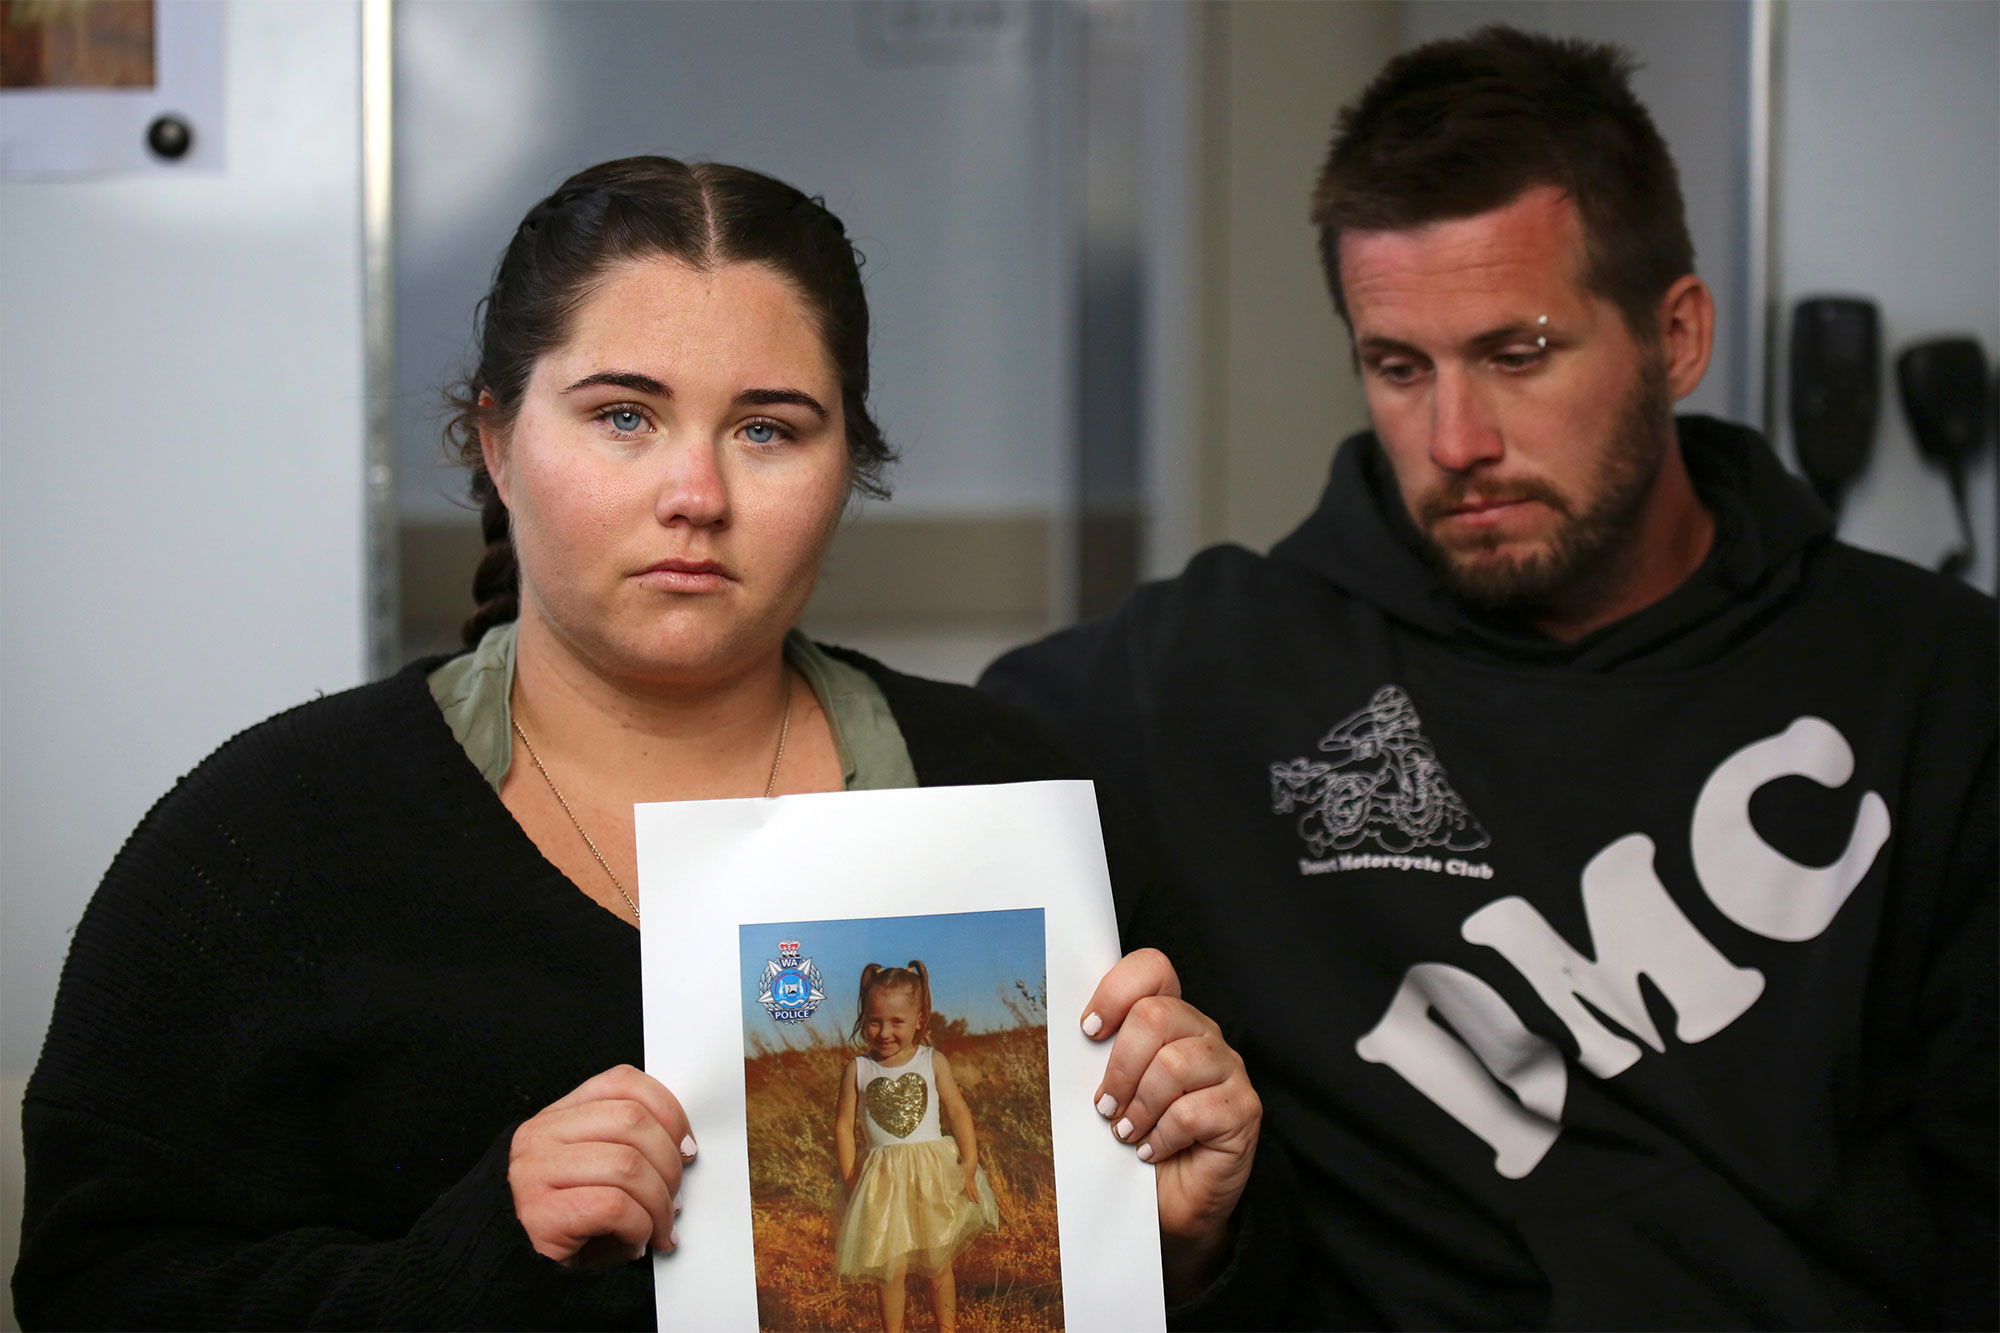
(693, 490)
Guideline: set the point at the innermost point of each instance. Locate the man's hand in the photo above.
(595, 1175)
(1177, 1091)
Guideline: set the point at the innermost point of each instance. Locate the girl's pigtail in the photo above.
(923, 995)
(868, 975)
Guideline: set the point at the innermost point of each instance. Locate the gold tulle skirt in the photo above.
(909, 1211)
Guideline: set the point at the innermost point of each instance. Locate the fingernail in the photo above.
(1106, 1105)
(677, 1207)
(1092, 1025)
(674, 1236)
(1124, 1129)
(687, 1146)
(1145, 1152)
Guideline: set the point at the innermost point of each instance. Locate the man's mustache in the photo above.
(1458, 494)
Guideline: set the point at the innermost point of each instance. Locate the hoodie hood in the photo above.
(1767, 524)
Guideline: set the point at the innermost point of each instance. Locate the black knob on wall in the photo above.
(169, 137)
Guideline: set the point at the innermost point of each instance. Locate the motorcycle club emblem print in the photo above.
(1380, 781)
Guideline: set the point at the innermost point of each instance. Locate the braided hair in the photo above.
(703, 214)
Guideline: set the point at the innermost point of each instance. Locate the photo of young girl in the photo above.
(916, 1199)
(901, 1168)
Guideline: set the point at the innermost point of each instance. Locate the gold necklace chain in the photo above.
(770, 789)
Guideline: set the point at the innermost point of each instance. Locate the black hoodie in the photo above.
(1640, 981)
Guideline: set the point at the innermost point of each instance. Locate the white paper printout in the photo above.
(987, 885)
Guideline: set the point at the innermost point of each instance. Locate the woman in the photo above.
(339, 1041)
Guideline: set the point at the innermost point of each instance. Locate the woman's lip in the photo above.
(686, 576)
(689, 567)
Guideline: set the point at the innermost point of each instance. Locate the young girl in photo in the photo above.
(916, 1199)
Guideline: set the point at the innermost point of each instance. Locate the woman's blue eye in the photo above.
(625, 420)
(761, 432)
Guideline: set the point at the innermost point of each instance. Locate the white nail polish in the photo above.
(1106, 1105)
(1092, 1025)
(1124, 1129)
(1145, 1152)
(687, 1146)
(674, 1236)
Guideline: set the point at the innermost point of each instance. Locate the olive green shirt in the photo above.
(475, 690)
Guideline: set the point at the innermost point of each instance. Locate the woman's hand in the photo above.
(972, 1182)
(1178, 1092)
(596, 1174)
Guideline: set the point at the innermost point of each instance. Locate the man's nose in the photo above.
(693, 490)
(1463, 432)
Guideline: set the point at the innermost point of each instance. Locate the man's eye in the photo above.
(1518, 360)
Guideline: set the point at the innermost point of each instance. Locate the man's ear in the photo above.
(493, 448)
(1687, 334)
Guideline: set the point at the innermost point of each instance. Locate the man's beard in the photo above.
(1585, 549)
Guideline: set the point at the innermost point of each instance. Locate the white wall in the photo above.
(1888, 187)
(181, 453)
(1278, 386)
(944, 155)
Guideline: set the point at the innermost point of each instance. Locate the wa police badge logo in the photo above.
(790, 988)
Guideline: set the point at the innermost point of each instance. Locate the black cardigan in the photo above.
(316, 992)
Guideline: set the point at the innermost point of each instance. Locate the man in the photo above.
(1593, 859)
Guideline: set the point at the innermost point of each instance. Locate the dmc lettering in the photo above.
(1634, 928)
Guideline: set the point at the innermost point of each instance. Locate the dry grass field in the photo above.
(1008, 1280)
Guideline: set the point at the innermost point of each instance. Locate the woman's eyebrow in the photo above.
(624, 379)
(772, 397)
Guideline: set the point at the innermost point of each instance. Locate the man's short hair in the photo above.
(1461, 126)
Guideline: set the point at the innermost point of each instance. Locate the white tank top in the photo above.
(898, 1102)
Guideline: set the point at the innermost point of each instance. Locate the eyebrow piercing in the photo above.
(1542, 342)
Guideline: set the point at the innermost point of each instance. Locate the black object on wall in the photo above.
(1943, 387)
(1836, 374)
(169, 137)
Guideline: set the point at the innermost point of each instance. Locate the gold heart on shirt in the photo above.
(898, 1104)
